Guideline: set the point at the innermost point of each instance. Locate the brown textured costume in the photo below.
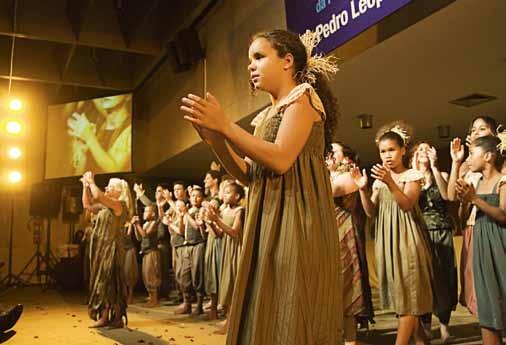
(107, 281)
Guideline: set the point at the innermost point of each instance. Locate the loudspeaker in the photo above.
(45, 200)
(72, 204)
(186, 49)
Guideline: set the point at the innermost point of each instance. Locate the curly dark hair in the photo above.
(286, 42)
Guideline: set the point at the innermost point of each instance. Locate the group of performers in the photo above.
(205, 232)
(290, 267)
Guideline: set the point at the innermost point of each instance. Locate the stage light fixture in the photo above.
(14, 152)
(15, 104)
(14, 177)
(13, 127)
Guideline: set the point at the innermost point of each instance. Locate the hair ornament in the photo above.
(316, 64)
(401, 128)
(501, 134)
(401, 132)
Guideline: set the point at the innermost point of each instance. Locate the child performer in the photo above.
(289, 285)
(230, 223)
(480, 126)
(192, 271)
(163, 234)
(130, 267)
(403, 257)
(212, 257)
(177, 241)
(489, 241)
(440, 226)
(147, 234)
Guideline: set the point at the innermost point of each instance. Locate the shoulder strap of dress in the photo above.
(296, 93)
(257, 120)
(499, 183)
(412, 175)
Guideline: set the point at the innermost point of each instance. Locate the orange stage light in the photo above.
(15, 104)
(14, 177)
(14, 152)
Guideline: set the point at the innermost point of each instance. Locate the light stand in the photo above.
(46, 260)
(10, 279)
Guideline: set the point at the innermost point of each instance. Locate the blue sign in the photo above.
(337, 21)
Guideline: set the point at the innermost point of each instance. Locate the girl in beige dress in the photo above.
(403, 257)
(289, 283)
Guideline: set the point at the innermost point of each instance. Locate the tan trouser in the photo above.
(192, 270)
(151, 271)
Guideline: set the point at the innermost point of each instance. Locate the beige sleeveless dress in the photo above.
(289, 284)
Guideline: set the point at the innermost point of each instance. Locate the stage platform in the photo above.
(52, 317)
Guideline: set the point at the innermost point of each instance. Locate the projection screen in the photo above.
(93, 135)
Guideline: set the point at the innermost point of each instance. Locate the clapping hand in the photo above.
(360, 179)
(382, 173)
(465, 191)
(167, 195)
(211, 214)
(135, 220)
(199, 217)
(206, 113)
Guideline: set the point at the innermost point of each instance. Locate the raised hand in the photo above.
(138, 189)
(457, 150)
(415, 163)
(382, 173)
(360, 179)
(432, 154)
(205, 113)
(215, 166)
(167, 195)
(88, 178)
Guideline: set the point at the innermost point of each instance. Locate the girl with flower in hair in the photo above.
(403, 257)
(489, 241)
(289, 283)
(351, 227)
(107, 303)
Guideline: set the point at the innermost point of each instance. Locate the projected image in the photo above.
(91, 135)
